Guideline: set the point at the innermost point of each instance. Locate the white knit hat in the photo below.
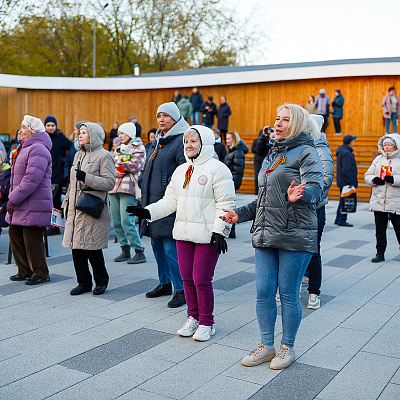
(389, 140)
(129, 128)
(171, 109)
(35, 125)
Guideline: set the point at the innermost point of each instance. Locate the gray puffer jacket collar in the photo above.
(276, 222)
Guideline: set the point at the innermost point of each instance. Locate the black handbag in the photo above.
(90, 204)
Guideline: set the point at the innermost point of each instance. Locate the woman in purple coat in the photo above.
(30, 202)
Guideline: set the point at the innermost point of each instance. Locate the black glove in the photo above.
(220, 243)
(135, 211)
(80, 175)
(378, 181)
(389, 179)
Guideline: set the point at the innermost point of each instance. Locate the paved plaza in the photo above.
(124, 346)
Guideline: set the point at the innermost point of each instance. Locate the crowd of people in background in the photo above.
(181, 186)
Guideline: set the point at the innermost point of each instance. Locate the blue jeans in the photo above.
(207, 125)
(124, 224)
(284, 269)
(394, 123)
(315, 265)
(196, 118)
(164, 250)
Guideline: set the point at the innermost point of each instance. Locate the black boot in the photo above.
(178, 300)
(125, 254)
(160, 290)
(138, 258)
(378, 258)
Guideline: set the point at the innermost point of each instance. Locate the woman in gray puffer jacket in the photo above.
(284, 229)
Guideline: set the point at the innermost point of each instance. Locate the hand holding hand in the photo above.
(80, 175)
(136, 211)
(378, 181)
(220, 243)
(389, 179)
(231, 217)
(295, 193)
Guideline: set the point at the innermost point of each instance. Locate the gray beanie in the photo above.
(171, 109)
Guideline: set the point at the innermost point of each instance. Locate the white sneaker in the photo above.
(203, 333)
(189, 328)
(283, 359)
(313, 302)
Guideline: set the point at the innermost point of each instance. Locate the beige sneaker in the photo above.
(260, 355)
(283, 359)
(314, 302)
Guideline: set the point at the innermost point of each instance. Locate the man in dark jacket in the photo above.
(137, 125)
(346, 173)
(197, 100)
(208, 109)
(219, 147)
(223, 114)
(60, 146)
(165, 154)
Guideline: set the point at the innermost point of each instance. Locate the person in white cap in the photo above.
(129, 159)
(164, 156)
(384, 177)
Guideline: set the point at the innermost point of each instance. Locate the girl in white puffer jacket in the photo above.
(199, 191)
(384, 176)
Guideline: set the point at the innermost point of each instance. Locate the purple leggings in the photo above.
(197, 264)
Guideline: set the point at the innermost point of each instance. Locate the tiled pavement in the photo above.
(124, 346)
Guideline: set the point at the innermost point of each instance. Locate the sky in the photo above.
(318, 30)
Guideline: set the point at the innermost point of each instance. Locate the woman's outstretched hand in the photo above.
(295, 193)
(230, 217)
(136, 211)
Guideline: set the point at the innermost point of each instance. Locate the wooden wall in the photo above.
(253, 105)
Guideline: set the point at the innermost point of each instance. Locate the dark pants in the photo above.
(381, 222)
(28, 250)
(340, 217)
(315, 264)
(257, 167)
(223, 134)
(81, 258)
(336, 122)
(57, 198)
(326, 123)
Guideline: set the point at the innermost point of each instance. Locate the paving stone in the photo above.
(249, 260)
(193, 372)
(371, 317)
(336, 349)
(234, 281)
(390, 295)
(345, 261)
(353, 244)
(116, 351)
(386, 341)
(223, 387)
(391, 392)
(116, 380)
(368, 226)
(42, 384)
(396, 377)
(294, 380)
(363, 378)
(16, 287)
(130, 290)
(329, 228)
(139, 394)
(51, 261)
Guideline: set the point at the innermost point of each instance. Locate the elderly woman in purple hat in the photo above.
(30, 202)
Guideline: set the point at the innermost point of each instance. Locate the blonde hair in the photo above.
(300, 121)
(236, 138)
